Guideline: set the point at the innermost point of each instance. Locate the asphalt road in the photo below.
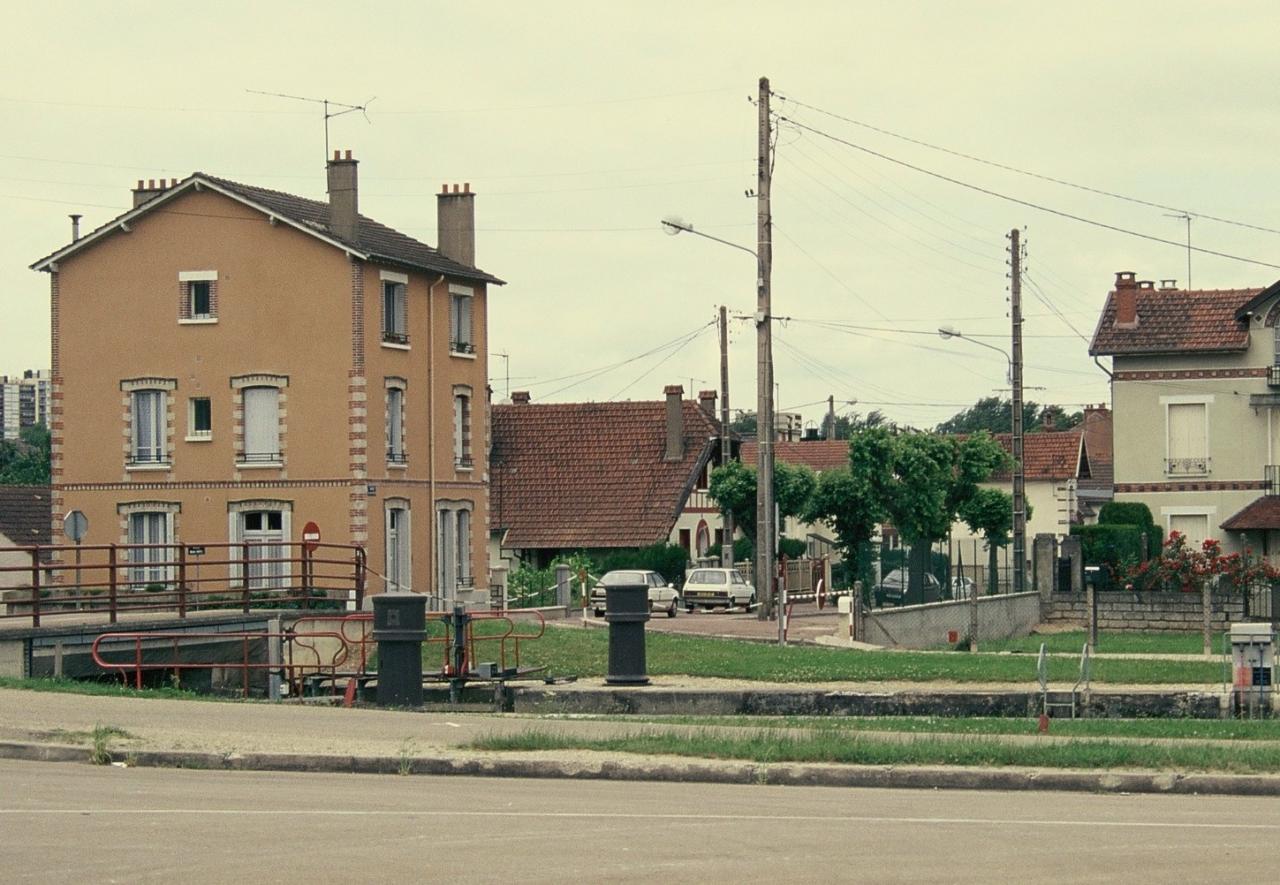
(65, 822)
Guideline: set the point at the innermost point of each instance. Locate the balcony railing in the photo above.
(397, 457)
(260, 458)
(1188, 466)
(464, 463)
(1272, 475)
(392, 337)
(147, 459)
(462, 347)
(1273, 376)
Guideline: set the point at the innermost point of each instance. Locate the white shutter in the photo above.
(464, 319)
(1187, 431)
(261, 423)
(395, 432)
(1194, 526)
(459, 419)
(464, 547)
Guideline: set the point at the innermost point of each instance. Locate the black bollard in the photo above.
(399, 628)
(626, 610)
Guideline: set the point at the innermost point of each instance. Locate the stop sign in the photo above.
(311, 536)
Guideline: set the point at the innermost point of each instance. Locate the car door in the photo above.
(659, 593)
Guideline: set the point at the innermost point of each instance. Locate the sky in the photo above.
(582, 125)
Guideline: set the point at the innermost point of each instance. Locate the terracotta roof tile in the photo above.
(1045, 456)
(26, 514)
(569, 475)
(1263, 513)
(818, 454)
(1176, 321)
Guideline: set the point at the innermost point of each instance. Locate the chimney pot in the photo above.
(344, 197)
(466, 187)
(520, 397)
(456, 225)
(1126, 300)
(1146, 284)
(1166, 285)
(151, 184)
(139, 187)
(75, 227)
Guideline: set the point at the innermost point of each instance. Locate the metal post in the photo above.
(1019, 476)
(182, 580)
(112, 580)
(726, 549)
(764, 364)
(244, 575)
(35, 586)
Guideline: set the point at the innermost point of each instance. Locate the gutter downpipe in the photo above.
(431, 434)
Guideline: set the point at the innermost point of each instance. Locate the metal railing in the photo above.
(462, 347)
(1188, 466)
(397, 456)
(395, 337)
(1273, 376)
(1271, 473)
(183, 577)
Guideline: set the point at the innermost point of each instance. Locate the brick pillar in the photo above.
(1071, 549)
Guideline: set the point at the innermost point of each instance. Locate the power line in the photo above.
(1030, 174)
(1027, 203)
(592, 374)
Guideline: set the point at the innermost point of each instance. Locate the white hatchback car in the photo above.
(717, 588)
(662, 595)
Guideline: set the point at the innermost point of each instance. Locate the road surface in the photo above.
(70, 822)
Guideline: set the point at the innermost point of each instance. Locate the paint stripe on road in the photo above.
(576, 815)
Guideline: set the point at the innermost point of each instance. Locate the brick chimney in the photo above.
(707, 399)
(456, 224)
(150, 189)
(344, 197)
(675, 423)
(520, 398)
(1126, 300)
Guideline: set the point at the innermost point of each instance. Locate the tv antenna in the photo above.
(328, 114)
(1184, 216)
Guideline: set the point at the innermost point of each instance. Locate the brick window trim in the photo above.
(185, 280)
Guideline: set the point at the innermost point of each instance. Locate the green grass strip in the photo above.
(1154, 642)
(584, 652)
(860, 749)
(1164, 729)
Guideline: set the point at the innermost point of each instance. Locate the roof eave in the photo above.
(192, 182)
(1252, 305)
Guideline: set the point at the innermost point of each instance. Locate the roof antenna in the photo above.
(1185, 216)
(346, 109)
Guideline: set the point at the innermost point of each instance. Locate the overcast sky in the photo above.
(581, 125)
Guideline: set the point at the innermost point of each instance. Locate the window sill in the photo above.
(462, 356)
(153, 467)
(397, 465)
(259, 465)
(392, 345)
(198, 321)
(196, 438)
(463, 468)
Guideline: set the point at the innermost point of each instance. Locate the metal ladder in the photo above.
(1062, 700)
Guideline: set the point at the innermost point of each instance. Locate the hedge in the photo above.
(1113, 545)
(1133, 513)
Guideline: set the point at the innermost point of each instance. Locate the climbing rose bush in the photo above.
(1182, 566)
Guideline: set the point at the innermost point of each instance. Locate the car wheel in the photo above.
(674, 607)
(689, 607)
(599, 612)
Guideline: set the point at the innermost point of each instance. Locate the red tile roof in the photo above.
(819, 454)
(26, 514)
(1262, 514)
(1045, 456)
(585, 475)
(1176, 321)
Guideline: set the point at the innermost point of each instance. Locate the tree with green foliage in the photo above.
(989, 512)
(26, 460)
(845, 500)
(733, 488)
(995, 415)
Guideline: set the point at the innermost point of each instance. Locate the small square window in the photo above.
(199, 418)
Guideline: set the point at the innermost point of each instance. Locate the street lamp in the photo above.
(1019, 477)
(766, 521)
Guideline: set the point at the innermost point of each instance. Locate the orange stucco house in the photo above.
(231, 363)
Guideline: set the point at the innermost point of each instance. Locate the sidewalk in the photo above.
(53, 727)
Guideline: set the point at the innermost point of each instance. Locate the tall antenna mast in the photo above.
(328, 114)
(1187, 218)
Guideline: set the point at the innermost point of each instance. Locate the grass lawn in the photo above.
(101, 689)
(1115, 643)
(770, 746)
(1164, 729)
(573, 651)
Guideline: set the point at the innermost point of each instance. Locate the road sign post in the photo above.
(75, 525)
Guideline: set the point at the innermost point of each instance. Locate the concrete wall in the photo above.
(1146, 611)
(929, 625)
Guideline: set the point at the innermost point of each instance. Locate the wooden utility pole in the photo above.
(765, 536)
(1019, 484)
(726, 549)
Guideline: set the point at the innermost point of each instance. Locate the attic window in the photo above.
(197, 296)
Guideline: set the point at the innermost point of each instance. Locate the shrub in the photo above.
(1114, 548)
(669, 560)
(1133, 513)
(792, 548)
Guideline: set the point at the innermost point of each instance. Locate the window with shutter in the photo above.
(261, 425)
(148, 431)
(1188, 442)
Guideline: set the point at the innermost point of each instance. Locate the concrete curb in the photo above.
(670, 770)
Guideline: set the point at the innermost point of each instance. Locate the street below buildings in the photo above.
(65, 822)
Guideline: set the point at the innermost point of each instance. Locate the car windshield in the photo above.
(621, 578)
(706, 576)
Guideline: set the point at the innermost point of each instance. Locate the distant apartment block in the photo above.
(24, 401)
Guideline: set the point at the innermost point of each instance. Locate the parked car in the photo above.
(662, 594)
(962, 588)
(717, 588)
(892, 589)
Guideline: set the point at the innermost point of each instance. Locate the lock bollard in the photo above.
(399, 628)
(626, 610)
